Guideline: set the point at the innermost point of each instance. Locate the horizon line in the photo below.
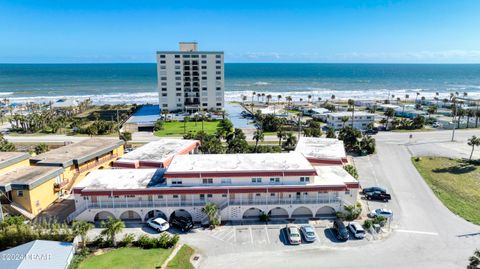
(366, 63)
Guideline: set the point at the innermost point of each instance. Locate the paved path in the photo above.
(426, 234)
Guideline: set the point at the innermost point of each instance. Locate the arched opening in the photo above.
(130, 215)
(325, 212)
(252, 213)
(181, 213)
(103, 215)
(302, 213)
(278, 213)
(155, 214)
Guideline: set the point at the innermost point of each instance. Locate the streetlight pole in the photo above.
(454, 117)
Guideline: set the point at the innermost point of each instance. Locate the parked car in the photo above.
(340, 230)
(387, 213)
(308, 233)
(372, 131)
(376, 195)
(158, 224)
(183, 223)
(373, 189)
(293, 235)
(436, 125)
(357, 230)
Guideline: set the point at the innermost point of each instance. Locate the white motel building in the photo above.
(243, 186)
(190, 80)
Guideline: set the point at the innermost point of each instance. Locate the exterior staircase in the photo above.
(18, 208)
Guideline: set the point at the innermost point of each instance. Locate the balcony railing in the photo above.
(100, 161)
(183, 203)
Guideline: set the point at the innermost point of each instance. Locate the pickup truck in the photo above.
(376, 195)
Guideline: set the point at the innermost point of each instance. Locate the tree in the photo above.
(351, 103)
(185, 120)
(474, 260)
(290, 142)
(269, 97)
(281, 134)
(472, 142)
(81, 228)
(111, 228)
(389, 113)
(225, 129)
(331, 133)
(368, 144)
(6, 146)
(350, 137)
(238, 143)
(344, 120)
(41, 148)
(211, 210)
(158, 125)
(258, 136)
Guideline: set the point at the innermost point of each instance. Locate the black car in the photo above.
(372, 131)
(374, 189)
(376, 195)
(340, 230)
(183, 223)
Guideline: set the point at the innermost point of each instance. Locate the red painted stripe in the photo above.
(240, 174)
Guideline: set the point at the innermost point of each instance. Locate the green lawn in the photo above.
(126, 258)
(182, 259)
(456, 184)
(175, 128)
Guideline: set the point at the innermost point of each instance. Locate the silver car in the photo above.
(357, 230)
(308, 233)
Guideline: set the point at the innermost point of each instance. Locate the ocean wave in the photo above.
(261, 83)
(6, 93)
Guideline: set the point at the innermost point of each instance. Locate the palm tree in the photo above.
(472, 142)
(278, 98)
(289, 100)
(263, 97)
(290, 141)
(344, 120)
(244, 98)
(474, 260)
(111, 228)
(269, 97)
(258, 136)
(470, 113)
(389, 113)
(416, 97)
(81, 228)
(351, 103)
(258, 97)
(281, 135)
(41, 148)
(253, 95)
(309, 98)
(332, 97)
(211, 210)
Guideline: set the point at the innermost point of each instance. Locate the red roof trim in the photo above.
(240, 174)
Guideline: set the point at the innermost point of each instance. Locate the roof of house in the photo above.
(321, 148)
(161, 150)
(79, 152)
(349, 114)
(121, 179)
(333, 175)
(10, 158)
(27, 177)
(238, 163)
(145, 115)
(38, 254)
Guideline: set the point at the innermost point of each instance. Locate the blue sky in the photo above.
(248, 31)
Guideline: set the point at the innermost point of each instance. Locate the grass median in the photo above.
(182, 259)
(455, 182)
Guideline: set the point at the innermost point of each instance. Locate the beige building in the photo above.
(190, 80)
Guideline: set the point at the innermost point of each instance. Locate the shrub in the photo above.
(264, 217)
(368, 224)
(146, 242)
(352, 170)
(127, 240)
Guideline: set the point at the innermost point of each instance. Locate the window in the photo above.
(179, 94)
(347, 192)
(204, 104)
(177, 62)
(226, 181)
(274, 180)
(164, 105)
(85, 198)
(256, 180)
(204, 56)
(207, 181)
(305, 179)
(186, 56)
(176, 182)
(163, 67)
(164, 94)
(202, 196)
(272, 194)
(204, 78)
(204, 67)
(178, 73)
(129, 196)
(218, 62)
(160, 197)
(178, 83)
(219, 88)
(218, 72)
(218, 56)
(178, 89)
(20, 193)
(162, 62)
(178, 78)
(177, 56)
(164, 84)
(163, 78)
(179, 105)
(204, 72)
(219, 104)
(162, 56)
(177, 67)
(218, 78)
(195, 56)
(257, 194)
(224, 195)
(204, 62)
(175, 196)
(164, 89)
(209, 196)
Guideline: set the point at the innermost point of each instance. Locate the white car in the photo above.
(357, 230)
(293, 235)
(308, 233)
(158, 224)
(387, 213)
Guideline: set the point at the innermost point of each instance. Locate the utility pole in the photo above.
(299, 124)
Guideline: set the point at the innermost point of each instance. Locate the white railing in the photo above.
(284, 201)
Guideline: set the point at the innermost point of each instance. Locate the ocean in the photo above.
(136, 83)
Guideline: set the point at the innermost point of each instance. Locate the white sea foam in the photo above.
(261, 83)
(5, 93)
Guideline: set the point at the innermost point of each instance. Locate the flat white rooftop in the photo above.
(332, 175)
(349, 114)
(159, 151)
(321, 148)
(239, 162)
(121, 179)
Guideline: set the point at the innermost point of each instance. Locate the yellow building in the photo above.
(11, 160)
(30, 189)
(80, 158)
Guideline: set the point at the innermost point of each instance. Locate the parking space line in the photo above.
(251, 234)
(266, 233)
(235, 235)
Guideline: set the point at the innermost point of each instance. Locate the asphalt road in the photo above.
(425, 233)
